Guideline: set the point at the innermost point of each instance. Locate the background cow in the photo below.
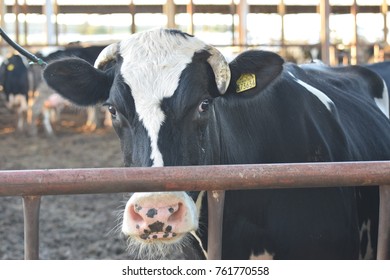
(35, 100)
(14, 83)
(174, 100)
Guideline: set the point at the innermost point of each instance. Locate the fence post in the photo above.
(215, 201)
(384, 223)
(31, 205)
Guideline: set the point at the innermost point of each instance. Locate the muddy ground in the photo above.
(71, 227)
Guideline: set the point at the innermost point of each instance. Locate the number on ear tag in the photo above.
(245, 82)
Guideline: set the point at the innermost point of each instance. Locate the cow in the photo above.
(47, 104)
(89, 54)
(175, 101)
(382, 69)
(14, 82)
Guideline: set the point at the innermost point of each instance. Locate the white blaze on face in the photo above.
(152, 64)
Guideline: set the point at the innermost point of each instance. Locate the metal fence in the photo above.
(32, 184)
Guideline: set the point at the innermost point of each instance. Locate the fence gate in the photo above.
(32, 184)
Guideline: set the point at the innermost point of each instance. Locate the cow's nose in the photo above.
(153, 222)
(159, 215)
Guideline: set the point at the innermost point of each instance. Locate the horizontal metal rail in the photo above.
(192, 178)
(31, 184)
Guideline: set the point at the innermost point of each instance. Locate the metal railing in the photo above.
(32, 184)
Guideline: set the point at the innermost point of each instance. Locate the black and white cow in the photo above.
(174, 100)
(15, 85)
(47, 103)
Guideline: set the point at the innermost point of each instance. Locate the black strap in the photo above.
(21, 50)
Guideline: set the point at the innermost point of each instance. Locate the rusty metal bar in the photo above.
(31, 184)
(31, 205)
(383, 252)
(216, 200)
(192, 178)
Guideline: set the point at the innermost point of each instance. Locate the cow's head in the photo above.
(159, 87)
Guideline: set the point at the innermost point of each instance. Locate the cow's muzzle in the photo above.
(163, 217)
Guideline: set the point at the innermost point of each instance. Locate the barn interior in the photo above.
(337, 32)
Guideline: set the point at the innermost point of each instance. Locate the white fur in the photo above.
(319, 94)
(263, 256)
(383, 103)
(152, 64)
(369, 250)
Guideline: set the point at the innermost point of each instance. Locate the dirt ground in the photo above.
(71, 227)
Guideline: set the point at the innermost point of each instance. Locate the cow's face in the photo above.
(159, 87)
(161, 97)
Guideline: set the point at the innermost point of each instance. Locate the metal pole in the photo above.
(384, 10)
(133, 27)
(384, 223)
(31, 205)
(170, 11)
(216, 200)
(190, 12)
(2, 24)
(56, 28)
(25, 23)
(16, 12)
(243, 10)
(50, 29)
(325, 38)
(193, 178)
(233, 27)
(282, 12)
(354, 43)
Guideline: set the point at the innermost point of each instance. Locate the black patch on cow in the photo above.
(156, 227)
(178, 33)
(144, 236)
(151, 212)
(138, 208)
(376, 81)
(168, 229)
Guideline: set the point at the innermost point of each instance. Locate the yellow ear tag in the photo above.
(245, 82)
(10, 67)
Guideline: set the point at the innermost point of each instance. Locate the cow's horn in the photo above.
(107, 54)
(221, 69)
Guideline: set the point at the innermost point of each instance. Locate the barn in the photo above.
(113, 156)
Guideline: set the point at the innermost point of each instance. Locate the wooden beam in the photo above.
(219, 9)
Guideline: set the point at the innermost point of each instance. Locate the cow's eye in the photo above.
(204, 106)
(112, 111)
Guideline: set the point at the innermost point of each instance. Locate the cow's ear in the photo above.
(252, 71)
(78, 81)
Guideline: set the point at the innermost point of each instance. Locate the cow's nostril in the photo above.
(135, 216)
(176, 215)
